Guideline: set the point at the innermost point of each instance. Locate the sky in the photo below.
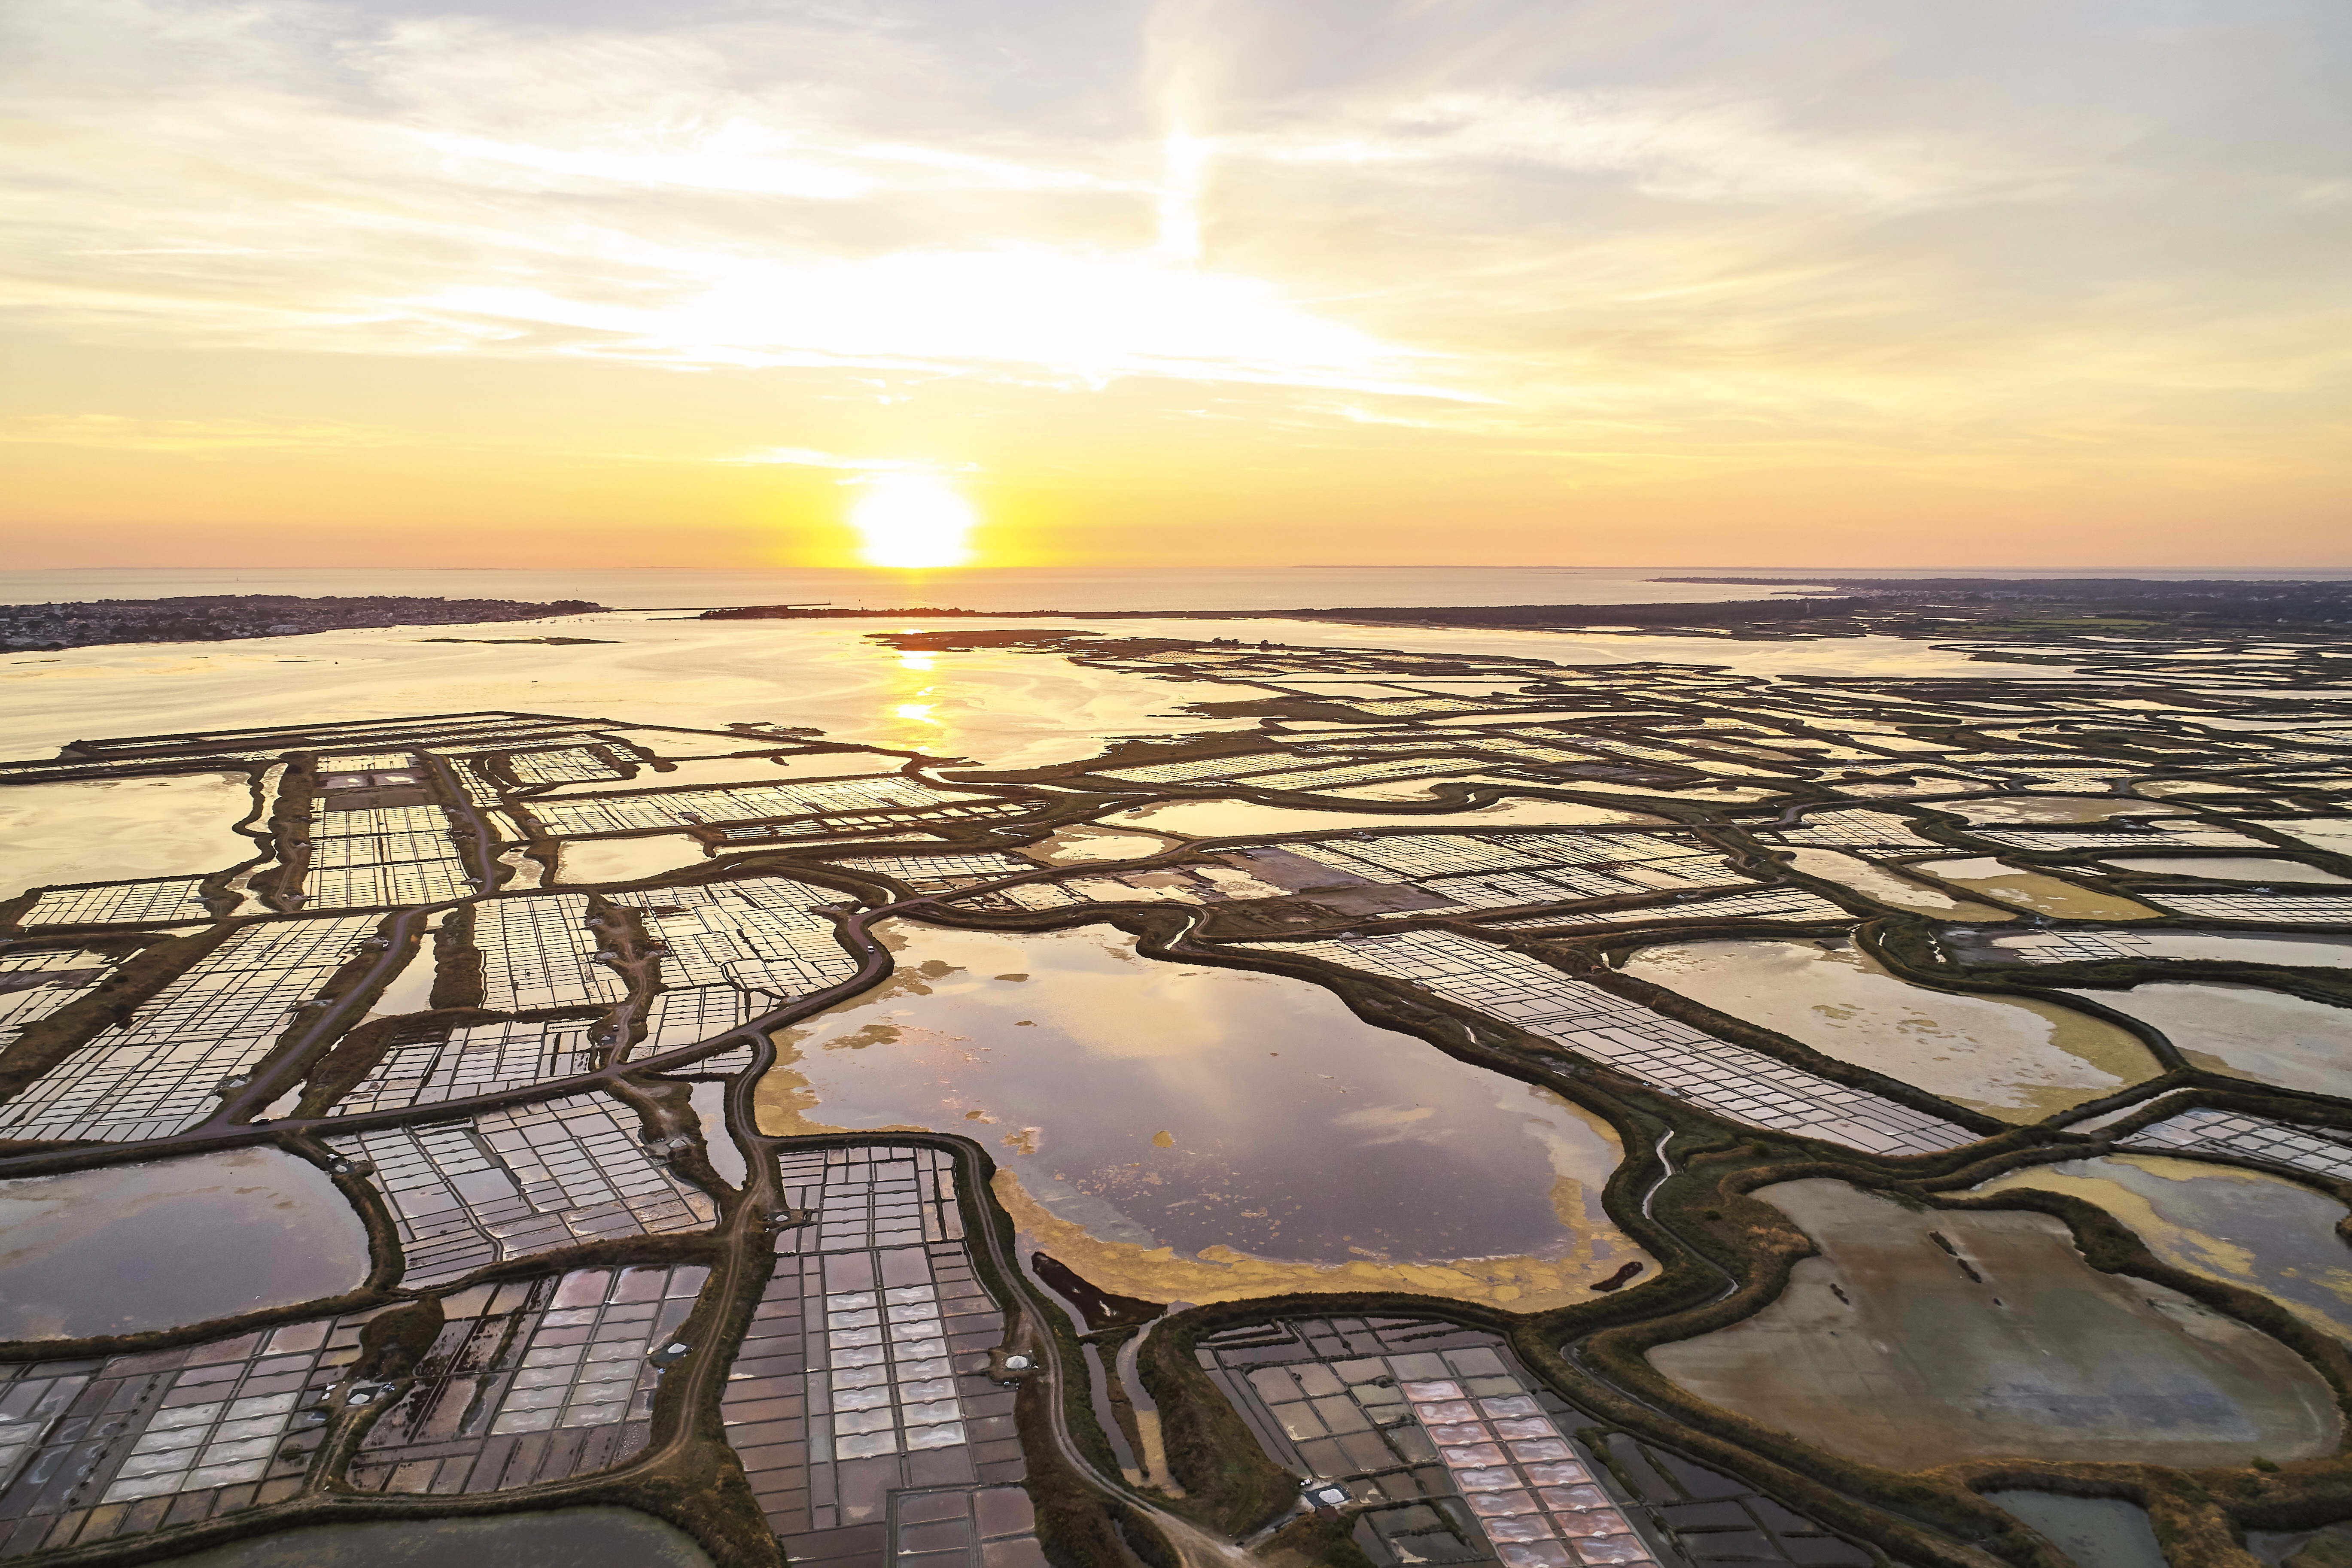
(1894, 282)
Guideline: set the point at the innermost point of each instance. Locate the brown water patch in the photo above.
(1884, 1350)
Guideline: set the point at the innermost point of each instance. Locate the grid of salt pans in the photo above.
(1671, 1056)
(2209, 1131)
(510, 1182)
(1858, 828)
(893, 792)
(378, 820)
(757, 933)
(574, 763)
(538, 953)
(2309, 910)
(452, 1064)
(1524, 1484)
(1780, 905)
(161, 901)
(156, 1074)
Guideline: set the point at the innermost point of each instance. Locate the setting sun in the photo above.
(906, 521)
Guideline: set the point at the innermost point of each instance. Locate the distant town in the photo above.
(222, 617)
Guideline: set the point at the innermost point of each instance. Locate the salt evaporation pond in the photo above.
(122, 829)
(1884, 1350)
(626, 860)
(2094, 1531)
(2034, 890)
(2285, 948)
(1182, 1132)
(2019, 1059)
(2247, 1032)
(2224, 868)
(1075, 846)
(547, 1538)
(1246, 819)
(2058, 809)
(2241, 1227)
(1878, 882)
(170, 1242)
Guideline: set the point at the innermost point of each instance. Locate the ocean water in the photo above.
(991, 588)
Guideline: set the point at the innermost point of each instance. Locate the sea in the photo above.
(1167, 591)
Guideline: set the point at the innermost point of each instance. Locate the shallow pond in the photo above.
(2019, 1059)
(626, 860)
(1885, 885)
(411, 990)
(1178, 1131)
(1074, 846)
(1886, 1350)
(2034, 890)
(2225, 868)
(2096, 1531)
(168, 1242)
(2239, 1227)
(1245, 819)
(182, 826)
(710, 1109)
(2247, 1032)
(548, 1538)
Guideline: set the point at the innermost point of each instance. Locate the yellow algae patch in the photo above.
(1222, 1274)
(2034, 890)
(783, 1098)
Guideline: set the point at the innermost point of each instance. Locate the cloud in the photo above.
(1797, 232)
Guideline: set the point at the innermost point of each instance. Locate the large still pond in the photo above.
(151, 1246)
(1180, 1131)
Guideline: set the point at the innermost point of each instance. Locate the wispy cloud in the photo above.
(1576, 239)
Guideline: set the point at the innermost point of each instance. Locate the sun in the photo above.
(908, 520)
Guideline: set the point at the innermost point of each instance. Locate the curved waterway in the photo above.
(150, 1246)
(1182, 1132)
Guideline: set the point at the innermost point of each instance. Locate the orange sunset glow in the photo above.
(1184, 282)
